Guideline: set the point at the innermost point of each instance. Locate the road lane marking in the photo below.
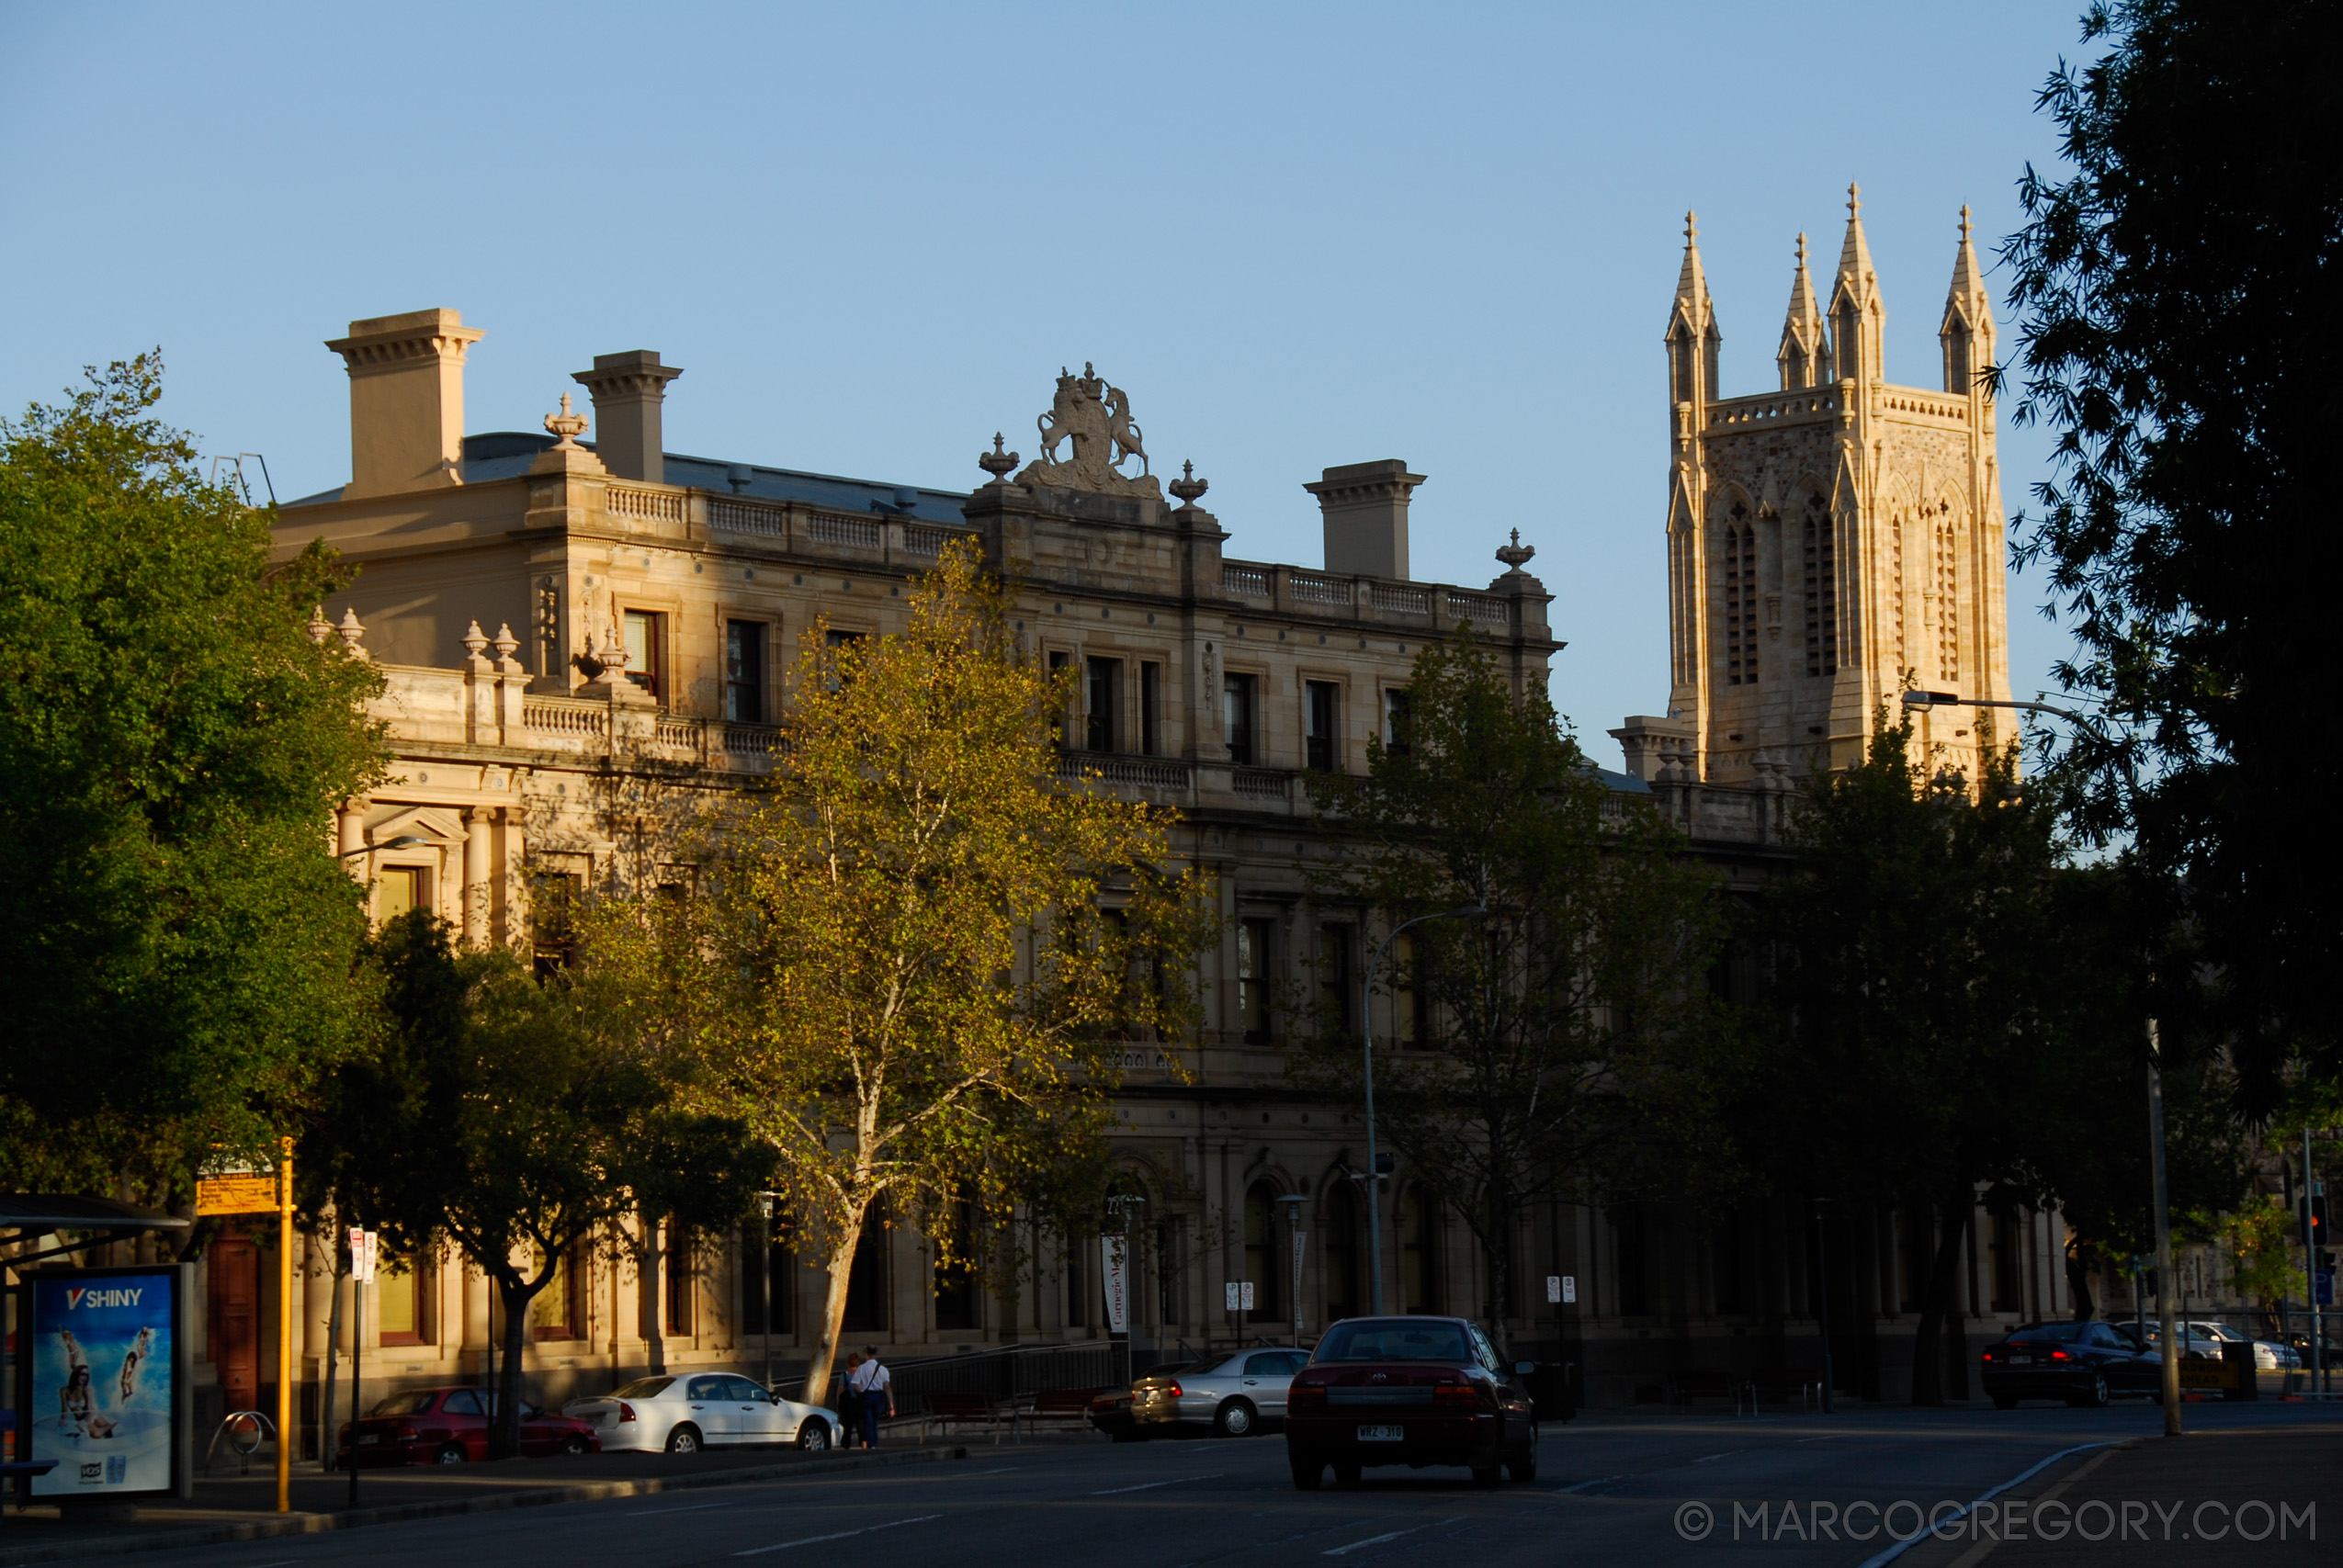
(1588, 1486)
(1151, 1486)
(1880, 1559)
(1391, 1534)
(1729, 1453)
(839, 1535)
(683, 1508)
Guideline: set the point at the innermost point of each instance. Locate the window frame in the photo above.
(653, 675)
(1322, 726)
(745, 671)
(1256, 948)
(1241, 716)
(1102, 704)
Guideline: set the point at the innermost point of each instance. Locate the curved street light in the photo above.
(1366, 1034)
(403, 842)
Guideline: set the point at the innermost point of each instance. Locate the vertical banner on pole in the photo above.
(1299, 1237)
(285, 1311)
(1115, 1272)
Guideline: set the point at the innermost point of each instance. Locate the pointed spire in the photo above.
(1967, 331)
(1691, 283)
(1968, 293)
(1854, 254)
(1803, 339)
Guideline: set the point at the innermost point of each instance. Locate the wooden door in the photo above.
(234, 1320)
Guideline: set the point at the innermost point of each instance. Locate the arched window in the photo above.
(1947, 585)
(1740, 599)
(1846, 335)
(1260, 1252)
(1822, 591)
(1345, 1296)
(1419, 1252)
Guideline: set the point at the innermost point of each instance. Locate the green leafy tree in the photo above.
(521, 1121)
(176, 946)
(1919, 1057)
(2180, 330)
(920, 999)
(1571, 1032)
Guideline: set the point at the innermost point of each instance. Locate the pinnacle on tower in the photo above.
(1855, 306)
(1691, 283)
(1692, 337)
(1967, 332)
(1805, 344)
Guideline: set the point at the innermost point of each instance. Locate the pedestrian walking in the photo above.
(850, 1398)
(876, 1394)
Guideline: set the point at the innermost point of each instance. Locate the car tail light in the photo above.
(1988, 1355)
(2060, 1356)
(1465, 1395)
(1173, 1391)
(625, 1411)
(403, 1435)
(1306, 1396)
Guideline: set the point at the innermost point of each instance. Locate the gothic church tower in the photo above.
(1827, 539)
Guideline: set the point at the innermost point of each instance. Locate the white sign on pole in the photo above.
(365, 1255)
(1570, 1288)
(1116, 1273)
(1299, 1237)
(1239, 1294)
(1553, 1289)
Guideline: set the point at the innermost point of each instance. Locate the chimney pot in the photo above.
(406, 401)
(1365, 509)
(629, 390)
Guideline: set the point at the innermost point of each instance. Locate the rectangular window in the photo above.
(646, 650)
(1397, 727)
(677, 1281)
(1252, 979)
(744, 671)
(1102, 727)
(1237, 717)
(399, 1302)
(1334, 992)
(1152, 709)
(553, 1314)
(767, 1269)
(399, 889)
(1320, 710)
(1411, 1006)
(1059, 663)
(553, 901)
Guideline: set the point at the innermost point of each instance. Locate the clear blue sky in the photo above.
(1297, 235)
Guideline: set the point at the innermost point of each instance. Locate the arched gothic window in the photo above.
(1822, 591)
(1740, 599)
(1947, 584)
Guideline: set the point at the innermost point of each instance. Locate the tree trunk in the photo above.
(2078, 1281)
(655, 1301)
(504, 1429)
(1498, 1248)
(328, 1449)
(845, 1240)
(1927, 1354)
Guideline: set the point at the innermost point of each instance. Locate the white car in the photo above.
(686, 1411)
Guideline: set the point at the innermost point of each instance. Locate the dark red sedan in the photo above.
(449, 1426)
(1411, 1391)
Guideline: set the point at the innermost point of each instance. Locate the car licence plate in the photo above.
(1382, 1434)
(2022, 1361)
(368, 1438)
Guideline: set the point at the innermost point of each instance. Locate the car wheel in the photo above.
(1488, 1475)
(2005, 1402)
(684, 1439)
(1347, 1474)
(814, 1437)
(1234, 1419)
(2094, 1396)
(573, 1445)
(1309, 1473)
(451, 1453)
(1524, 1469)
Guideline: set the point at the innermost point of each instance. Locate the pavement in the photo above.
(1649, 1490)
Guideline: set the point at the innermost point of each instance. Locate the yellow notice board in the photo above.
(2206, 1373)
(235, 1195)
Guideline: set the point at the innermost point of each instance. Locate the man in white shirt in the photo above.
(874, 1394)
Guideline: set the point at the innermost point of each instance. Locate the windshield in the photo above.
(1383, 1339)
(2057, 1332)
(643, 1388)
(405, 1404)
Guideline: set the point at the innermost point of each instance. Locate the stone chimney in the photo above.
(1366, 508)
(629, 390)
(406, 401)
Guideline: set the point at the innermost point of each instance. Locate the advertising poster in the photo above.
(1116, 1275)
(102, 1351)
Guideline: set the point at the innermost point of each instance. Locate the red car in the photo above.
(449, 1426)
(1411, 1391)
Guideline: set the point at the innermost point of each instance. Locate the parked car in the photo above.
(1411, 1391)
(2207, 1337)
(2082, 1363)
(684, 1413)
(449, 1426)
(1235, 1393)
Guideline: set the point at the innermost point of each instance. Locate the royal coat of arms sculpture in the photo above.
(1095, 419)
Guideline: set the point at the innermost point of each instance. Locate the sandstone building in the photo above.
(581, 636)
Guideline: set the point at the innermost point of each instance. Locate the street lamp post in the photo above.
(403, 842)
(764, 1202)
(1292, 1202)
(1366, 1034)
(1822, 1295)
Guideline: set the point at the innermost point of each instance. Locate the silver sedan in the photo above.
(1234, 1391)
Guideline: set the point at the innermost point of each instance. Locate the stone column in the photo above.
(476, 820)
(514, 910)
(474, 1287)
(350, 824)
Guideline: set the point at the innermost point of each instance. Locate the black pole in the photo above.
(768, 1299)
(1822, 1299)
(358, 1349)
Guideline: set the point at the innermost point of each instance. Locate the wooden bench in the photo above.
(1062, 1404)
(947, 1410)
(1704, 1384)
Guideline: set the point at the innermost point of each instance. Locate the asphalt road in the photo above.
(1620, 1490)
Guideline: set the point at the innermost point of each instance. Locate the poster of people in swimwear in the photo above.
(103, 1344)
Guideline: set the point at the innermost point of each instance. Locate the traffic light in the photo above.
(2316, 1206)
